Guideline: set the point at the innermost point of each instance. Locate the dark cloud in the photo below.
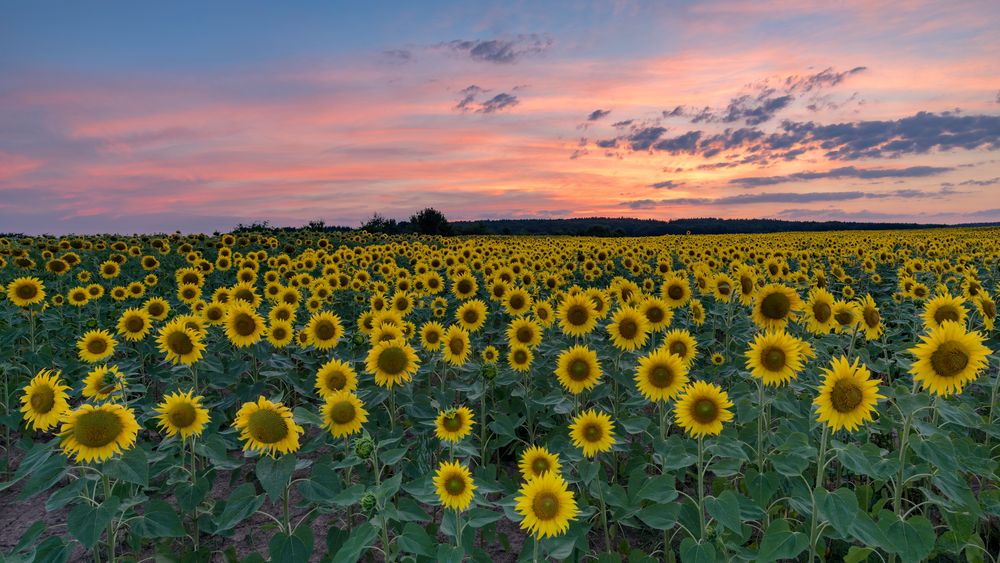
(501, 101)
(642, 139)
(470, 100)
(607, 143)
(998, 97)
(795, 197)
(624, 123)
(762, 100)
(501, 51)
(916, 134)
(842, 172)
(398, 55)
(755, 110)
(669, 184)
(598, 114)
(823, 79)
(980, 183)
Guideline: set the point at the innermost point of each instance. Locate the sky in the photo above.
(197, 116)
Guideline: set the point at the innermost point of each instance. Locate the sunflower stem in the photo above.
(534, 550)
(701, 486)
(604, 516)
(194, 484)
(760, 427)
(820, 474)
(285, 516)
(111, 526)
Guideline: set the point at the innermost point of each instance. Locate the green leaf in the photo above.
(660, 516)
(29, 536)
(243, 501)
(131, 467)
(726, 509)
(408, 510)
(659, 489)
(359, 540)
(293, 548)
(54, 550)
(44, 476)
(911, 539)
(479, 517)
(761, 487)
(34, 459)
(697, 551)
(416, 540)
(858, 554)
(87, 523)
(839, 508)
(189, 496)
(790, 464)
(274, 474)
(779, 542)
(392, 457)
(160, 520)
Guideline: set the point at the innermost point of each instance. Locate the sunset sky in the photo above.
(143, 116)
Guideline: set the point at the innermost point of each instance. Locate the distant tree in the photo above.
(316, 225)
(381, 224)
(430, 221)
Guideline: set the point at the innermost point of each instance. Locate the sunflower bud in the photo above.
(489, 372)
(358, 339)
(363, 447)
(91, 323)
(368, 502)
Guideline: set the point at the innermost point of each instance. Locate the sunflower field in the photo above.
(318, 396)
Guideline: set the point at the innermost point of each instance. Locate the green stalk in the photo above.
(111, 525)
(701, 486)
(820, 474)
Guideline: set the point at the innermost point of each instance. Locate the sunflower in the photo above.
(722, 287)
(680, 343)
(214, 313)
(517, 302)
(490, 355)
(134, 324)
(524, 332)
(658, 314)
(78, 296)
(520, 358)
(280, 333)
(343, 413)
(97, 432)
(102, 382)
(847, 395)
(774, 305)
(267, 427)
(697, 312)
(547, 505)
(464, 286)
(948, 358)
(244, 326)
(537, 461)
(181, 344)
(96, 345)
(819, 311)
(182, 413)
(282, 312)
(454, 485)
(431, 334)
(578, 369)
(660, 376)
(44, 400)
(846, 316)
(702, 408)
(944, 308)
(335, 376)
(592, 431)
(775, 357)
(987, 310)
(577, 315)
(471, 315)
(676, 290)
(718, 359)
(871, 319)
(456, 345)
(392, 362)
(157, 308)
(544, 313)
(454, 424)
(629, 329)
(25, 292)
(747, 287)
(324, 330)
